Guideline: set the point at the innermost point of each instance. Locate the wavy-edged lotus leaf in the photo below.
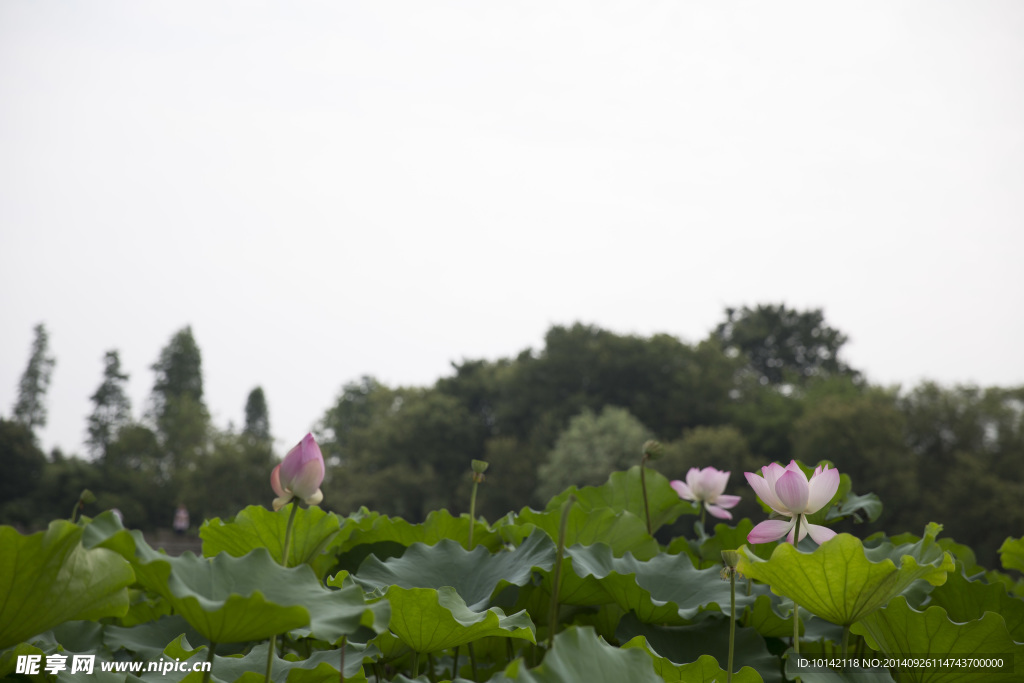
(371, 527)
(234, 599)
(727, 537)
(622, 531)
(623, 491)
(148, 641)
(899, 630)
(580, 655)
(766, 621)
(1011, 552)
(474, 574)
(704, 670)
(966, 600)
(837, 581)
(343, 612)
(866, 508)
(314, 534)
(144, 607)
(49, 577)
(709, 636)
(428, 619)
(666, 589)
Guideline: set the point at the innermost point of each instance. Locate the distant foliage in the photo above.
(30, 408)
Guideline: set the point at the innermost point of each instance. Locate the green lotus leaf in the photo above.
(580, 655)
(838, 582)
(727, 537)
(50, 577)
(866, 508)
(709, 636)
(666, 589)
(704, 670)
(898, 630)
(314, 534)
(622, 531)
(147, 641)
(1012, 554)
(234, 599)
(428, 620)
(623, 492)
(766, 621)
(475, 574)
(342, 613)
(966, 600)
(370, 527)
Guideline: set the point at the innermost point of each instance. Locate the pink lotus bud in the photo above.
(299, 475)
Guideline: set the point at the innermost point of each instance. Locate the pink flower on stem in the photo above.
(706, 486)
(299, 475)
(788, 492)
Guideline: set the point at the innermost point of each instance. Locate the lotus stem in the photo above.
(472, 661)
(431, 674)
(288, 534)
(556, 580)
(796, 608)
(643, 489)
(472, 511)
(732, 620)
(455, 664)
(415, 663)
(209, 660)
(846, 638)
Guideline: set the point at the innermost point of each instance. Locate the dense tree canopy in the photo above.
(766, 385)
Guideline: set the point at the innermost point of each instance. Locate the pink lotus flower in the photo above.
(787, 491)
(706, 486)
(299, 475)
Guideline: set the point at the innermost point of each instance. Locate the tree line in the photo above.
(767, 384)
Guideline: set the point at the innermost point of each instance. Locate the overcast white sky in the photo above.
(325, 190)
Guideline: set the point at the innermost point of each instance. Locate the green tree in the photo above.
(23, 464)
(30, 407)
(783, 345)
(177, 407)
(111, 406)
(863, 434)
(590, 449)
(257, 417)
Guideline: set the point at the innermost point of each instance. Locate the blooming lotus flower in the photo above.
(299, 475)
(706, 486)
(787, 491)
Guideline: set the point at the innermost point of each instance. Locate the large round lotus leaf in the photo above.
(580, 655)
(838, 582)
(622, 531)
(314, 533)
(704, 670)
(49, 578)
(623, 491)
(475, 574)
(234, 599)
(966, 600)
(666, 589)
(1012, 554)
(371, 527)
(898, 630)
(708, 636)
(428, 620)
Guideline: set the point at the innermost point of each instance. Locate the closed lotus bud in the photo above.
(87, 496)
(653, 450)
(299, 475)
